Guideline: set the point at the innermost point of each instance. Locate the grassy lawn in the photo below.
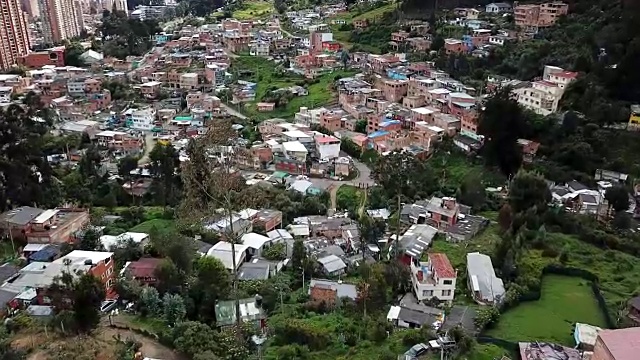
(320, 92)
(160, 224)
(152, 325)
(376, 13)
(457, 166)
(349, 197)
(617, 272)
(6, 252)
(254, 9)
(565, 300)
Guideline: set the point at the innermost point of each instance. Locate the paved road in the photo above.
(149, 143)
(233, 112)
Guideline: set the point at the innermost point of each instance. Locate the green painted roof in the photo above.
(280, 174)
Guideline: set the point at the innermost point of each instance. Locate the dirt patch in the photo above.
(150, 348)
(101, 345)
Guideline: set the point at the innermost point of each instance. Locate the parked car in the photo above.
(108, 305)
(416, 350)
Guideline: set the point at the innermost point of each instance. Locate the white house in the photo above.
(295, 150)
(110, 240)
(496, 8)
(222, 251)
(142, 119)
(435, 278)
(486, 288)
(327, 147)
(256, 243)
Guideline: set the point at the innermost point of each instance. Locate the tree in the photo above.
(72, 54)
(505, 217)
(149, 303)
(211, 183)
(528, 190)
(275, 252)
(361, 126)
(298, 256)
(618, 198)
(173, 308)
(80, 297)
(26, 173)
(472, 192)
(170, 278)
(126, 165)
(212, 282)
(165, 163)
(502, 123)
(90, 240)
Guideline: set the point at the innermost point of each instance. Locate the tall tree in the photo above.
(211, 182)
(502, 123)
(618, 198)
(212, 283)
(25, 172)
(528, 190)
(165, 163)
(81, 296)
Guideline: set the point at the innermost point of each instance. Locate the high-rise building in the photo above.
(31, 7)
(120, 5)
(14, 34)
(59, 20)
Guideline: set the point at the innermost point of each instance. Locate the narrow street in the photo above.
(149, 143)
(233, 112)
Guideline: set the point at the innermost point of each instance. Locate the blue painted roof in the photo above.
(377, 134)
(46, 254)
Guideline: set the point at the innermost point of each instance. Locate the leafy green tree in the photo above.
(90, 240)
(80, 297)
(502, 123)
(192, 337)
(298, 256)
(126, 165)
(170, 278)
(165, 164)
(528, 190)
(618, 198)
(275, 252)
(173, 309)
(72, 54)
(149, 303)
(212, 282)
(472, 192)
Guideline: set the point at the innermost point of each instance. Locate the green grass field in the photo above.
(376, 13)
(253, 10)
(160, 224)
(320, 93)
(565, 301)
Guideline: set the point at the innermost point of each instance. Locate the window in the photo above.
(427, 293)
(446, 292)
(448, 282)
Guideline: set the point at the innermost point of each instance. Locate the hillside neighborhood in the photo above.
(325, 180)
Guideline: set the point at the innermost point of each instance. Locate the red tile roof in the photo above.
(623, 344)
(441, 265)
(567, 74)
(144, 267)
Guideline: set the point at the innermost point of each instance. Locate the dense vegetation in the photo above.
(122, 36)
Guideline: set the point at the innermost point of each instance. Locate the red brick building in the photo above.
(54, 56)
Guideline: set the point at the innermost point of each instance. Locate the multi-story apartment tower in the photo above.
(59, 20)
(120, 5)
(14, 34)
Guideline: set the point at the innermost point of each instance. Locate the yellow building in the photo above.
(634, 117)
